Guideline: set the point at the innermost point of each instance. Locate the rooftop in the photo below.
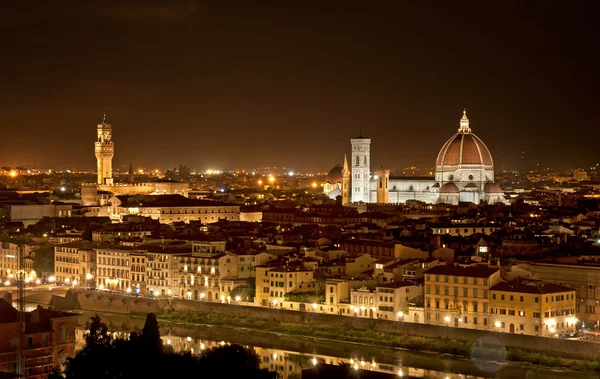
(471, 271)
(532, 287)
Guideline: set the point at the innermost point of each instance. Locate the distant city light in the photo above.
(62, 189)
(222, 190)
(13, 173)
(291, 173)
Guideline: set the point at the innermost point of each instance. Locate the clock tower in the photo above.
(105, 150)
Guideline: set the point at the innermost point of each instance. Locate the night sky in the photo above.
(248, 83)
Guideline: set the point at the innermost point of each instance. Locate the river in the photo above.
(289, 355)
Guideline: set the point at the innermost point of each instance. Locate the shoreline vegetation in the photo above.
(346, 333)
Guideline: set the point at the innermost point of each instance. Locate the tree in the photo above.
(150, 337)
(245, 292)
(43, 260)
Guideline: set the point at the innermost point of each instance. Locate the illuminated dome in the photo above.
(449, 188)
(335, 174)
(492, 188)
(464, 160)
(464, 148)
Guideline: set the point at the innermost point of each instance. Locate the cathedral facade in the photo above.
(464, 172)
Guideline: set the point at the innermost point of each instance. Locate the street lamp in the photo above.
(447, 320)
(238, 298)
(51, 279)
(400, 315)
(497, 325)
(314, 307)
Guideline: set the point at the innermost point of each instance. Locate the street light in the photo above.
(314, 307)
(51, 279)
(238, 298)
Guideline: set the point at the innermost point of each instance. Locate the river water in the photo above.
(289, 355)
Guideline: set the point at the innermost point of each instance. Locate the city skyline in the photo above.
(235, 85)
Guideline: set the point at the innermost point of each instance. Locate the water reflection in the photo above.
(291, 363)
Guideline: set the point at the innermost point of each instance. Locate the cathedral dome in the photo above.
(492, 188)
(335, 174)
(449, 188)
(464, 148)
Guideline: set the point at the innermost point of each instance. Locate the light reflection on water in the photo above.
(287, 363)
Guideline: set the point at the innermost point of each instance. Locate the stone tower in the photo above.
(345, 182)
(131, 176)
(383, 185)
(105, 150)
(361, 173)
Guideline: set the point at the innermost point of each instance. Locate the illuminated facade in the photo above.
(105, 150)
(464, 172)
(534, 308)
(94, 193)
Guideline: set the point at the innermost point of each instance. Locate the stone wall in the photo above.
(109, 303)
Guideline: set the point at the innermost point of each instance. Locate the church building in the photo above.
(464, 172)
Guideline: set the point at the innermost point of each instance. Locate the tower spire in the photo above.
(464, 123)
(104, 117)
(345, 168)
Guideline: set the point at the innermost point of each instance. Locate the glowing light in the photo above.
(37, 281)
(189, 339)
(314, 361)
(447, 318)
(62, 189)
(45, 235)
(202, 295)
(101, 286)
(271, 179)
(274, 355)
(168, 342)
(291, 173)
(140, 171)
(88, 276)
(238, 298)
(400, 314)
(551, 322)
(274, 302)
(314, 306)
(222, 190)
(260, 182)
(13, 173)
(314, 184)
(355, 366)
(67, 280)
(400, 373)
(497, 324)
(552, 330)
(7, 283)
(128, 290)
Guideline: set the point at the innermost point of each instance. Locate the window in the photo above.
(521, 299)
(446, 291)
(502, 311)
(501, 297)
(511, 298)
(537, 299)
(536, 314)
(465, 292)
(475, 292)
(493, 296)
(63, 332)
(511, 312)
(29, 341)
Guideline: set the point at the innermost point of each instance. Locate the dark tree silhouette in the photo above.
(150, 337)
(142, 356)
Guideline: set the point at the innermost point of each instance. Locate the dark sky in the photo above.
(248, 83)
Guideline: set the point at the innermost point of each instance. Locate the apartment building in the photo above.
(459, 296)
(113, 268)
(532, 307)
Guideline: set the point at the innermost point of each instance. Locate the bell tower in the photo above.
(345, 182)
(361, 172)
(105, 150)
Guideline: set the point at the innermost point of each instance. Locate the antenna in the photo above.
(21, 305)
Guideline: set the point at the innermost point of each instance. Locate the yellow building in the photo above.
(459, 296)
(532, 307)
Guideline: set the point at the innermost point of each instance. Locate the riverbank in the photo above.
(346, 333)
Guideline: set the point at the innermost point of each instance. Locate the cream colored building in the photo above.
(163, 269)
(273, 283)
(113, 268)
(67, 265)
(584, 279)
(534, 308)
(459, 296)
(172, 208)
(9, 253)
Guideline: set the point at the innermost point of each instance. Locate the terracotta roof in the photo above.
(464, 148)
(533, 287)
(396, 285)
(492, 188)
(449, 188)
(472, 271)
